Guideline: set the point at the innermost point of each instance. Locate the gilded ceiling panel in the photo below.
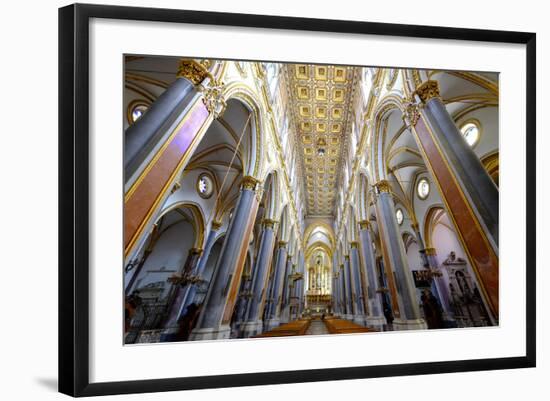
(320, 99)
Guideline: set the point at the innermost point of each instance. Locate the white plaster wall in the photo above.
(170, 253)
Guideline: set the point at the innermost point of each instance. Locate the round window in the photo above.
(399, 216)
(137, 111)
(471, 132)
(423, 188)
(205, 186)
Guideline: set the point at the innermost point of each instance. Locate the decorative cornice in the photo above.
(364, 224)
(249, 182)
(383, 186)
(428, 90)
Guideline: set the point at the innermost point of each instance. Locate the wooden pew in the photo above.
(341, 326)
(294, 328)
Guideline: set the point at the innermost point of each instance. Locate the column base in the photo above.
(250, 329)
(360, 320)
(272, 323)
(375, 322)
(347, 317)
(211, 333)
(410, 324)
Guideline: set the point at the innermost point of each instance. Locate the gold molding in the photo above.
(364, 224)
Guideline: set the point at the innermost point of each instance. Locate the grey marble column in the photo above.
(209, 325)
(253, 320)
(441, 286)
(191, 289)
(278, 277)
(342, 298)
(349, 289)
(143, 135)
(410, 317)
(283, 307)
(177, 296)
(474, 180)
(335, 285)
(300, 288)
(375, 316)
(359, 309)
(245, 293)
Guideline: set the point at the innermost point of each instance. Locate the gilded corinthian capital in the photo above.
(269, 223)
(249, 183)
(364, 224)
(383, 186)
(193, 71)
(427, 90)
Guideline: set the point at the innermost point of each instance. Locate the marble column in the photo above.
(159, 145)
(245, 294)
(375, 316)
(342, 299)
(349, 289)
(191, 289)
(177, 296)
(440, 286)
(215, 318)
(429, 262)
(284, 305)
(278, 277)
(335, 285)
(407, 315)
(253, 320)
(300, 288)
(359, 309)
(470, 195)
(141, 137)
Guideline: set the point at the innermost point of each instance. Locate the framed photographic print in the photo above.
(250, 199)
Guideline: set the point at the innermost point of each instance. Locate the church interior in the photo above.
(266, 199)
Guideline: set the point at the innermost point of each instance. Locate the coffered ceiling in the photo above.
(320, 101)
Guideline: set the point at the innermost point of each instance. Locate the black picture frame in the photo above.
(74, 198)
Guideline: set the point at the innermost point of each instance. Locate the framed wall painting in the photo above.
(222, 208)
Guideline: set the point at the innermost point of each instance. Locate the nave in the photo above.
(272, 199)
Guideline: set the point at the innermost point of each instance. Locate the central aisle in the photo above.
(317, 327)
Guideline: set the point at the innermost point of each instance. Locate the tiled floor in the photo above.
(317, 327)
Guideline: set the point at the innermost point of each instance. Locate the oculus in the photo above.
(471, 132)
(205, 185)
(399, 216)
(423, 188)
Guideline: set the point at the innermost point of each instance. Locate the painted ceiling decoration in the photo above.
(320, 100)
